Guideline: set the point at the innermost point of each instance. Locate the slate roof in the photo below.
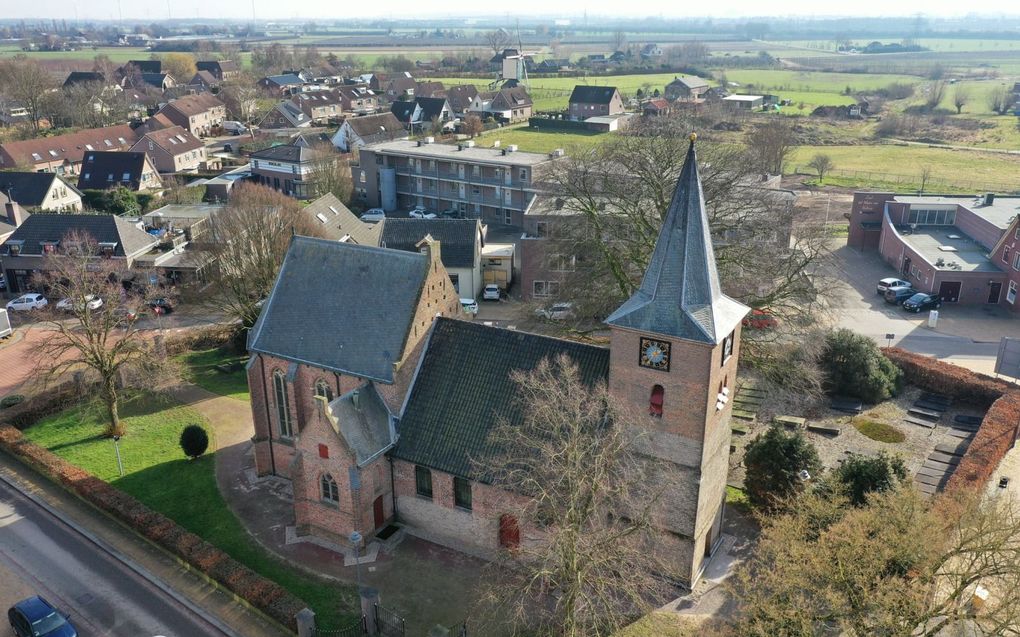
(337, 221)
(283, 80)
(101, 170)
(341, 306)
(510, 98)
(592, 94)
(292, 112)
(464, 384)
(147, 66)
(456, 237)
(286, 152)
(45, 226)
(460, 97)
(364, 426)
(28, 189)
(680, 294)
(156, 79)
(431, 107)
(403, 111)
(78, 77)
(370, 126)
(204, 77)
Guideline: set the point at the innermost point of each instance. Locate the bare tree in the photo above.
(1000, 100)
(247, 241)
(821, 163)
(93, 330)
(619, 40)
(770, 145)
(241, 97)
(936, 93)
(577, 482)
(331, 173)
(27, 82)
(961, 97)
(899, 565)
(472, 125)
(925, 178)
(497, 40)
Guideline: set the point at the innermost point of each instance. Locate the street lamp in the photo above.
(116, 446)
(356, 541)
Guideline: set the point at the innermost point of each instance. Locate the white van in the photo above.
(234, 128)
(5, 324)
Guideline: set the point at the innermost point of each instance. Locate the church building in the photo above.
(373, 393)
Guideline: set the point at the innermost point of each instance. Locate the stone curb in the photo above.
(124, 559)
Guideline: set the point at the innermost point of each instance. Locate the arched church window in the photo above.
(655, 401)
(330, 492)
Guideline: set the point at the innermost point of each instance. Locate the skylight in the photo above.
(53, 153)
(321, 217)
(108, 142)
(37, 156)
(89, 147)
(334, 210)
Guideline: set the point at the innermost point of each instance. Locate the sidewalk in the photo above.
(211, 599)
(424, 583)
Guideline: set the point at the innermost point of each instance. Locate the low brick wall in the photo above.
(263, 594)
(1000, 427)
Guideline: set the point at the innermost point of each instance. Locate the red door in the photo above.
(509, 532)
(377, 509)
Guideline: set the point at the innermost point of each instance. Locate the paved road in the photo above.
(41, 555)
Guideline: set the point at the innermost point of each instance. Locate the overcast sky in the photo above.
(331, 9)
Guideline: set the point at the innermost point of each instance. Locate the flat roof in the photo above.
(949, 244)
(498, 250)
(478, 154)
(744, 98)
(184, 211)
(999, 214)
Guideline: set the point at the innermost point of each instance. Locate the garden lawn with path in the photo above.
(201, 368)
(157, 473)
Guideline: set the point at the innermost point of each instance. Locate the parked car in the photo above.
(31, 301)
(35, 617)
(374, 214)
(92, 302)
(760, 320)
(921, 302)
(419, 213)
(899, 294)
(228, 148)
(885, 284)
(470, 306)
(161, 306)
(556, 312)
(5, 324)
(3, 282)
(490, 292)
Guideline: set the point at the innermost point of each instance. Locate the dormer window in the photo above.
(14, 247)
(49, 247)
(106, 248)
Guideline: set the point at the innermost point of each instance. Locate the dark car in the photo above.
(921, 301)
(899, 294)
(161, 306)
(35, 617)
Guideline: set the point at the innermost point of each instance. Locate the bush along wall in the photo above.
(262, 593)
(999, 428)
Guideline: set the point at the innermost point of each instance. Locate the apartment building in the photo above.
(492, 184)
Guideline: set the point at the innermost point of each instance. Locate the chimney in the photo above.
(15, 213)
(430, 248)
(356, 399)
(989, 198)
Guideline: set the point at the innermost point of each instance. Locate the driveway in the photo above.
(965, 335)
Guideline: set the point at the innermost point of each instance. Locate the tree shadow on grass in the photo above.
(75, 443)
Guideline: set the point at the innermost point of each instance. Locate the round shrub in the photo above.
(774, 460)
(854, 366)
(194, 441)
(10, 401)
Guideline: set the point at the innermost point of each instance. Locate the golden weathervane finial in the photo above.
(693, 137)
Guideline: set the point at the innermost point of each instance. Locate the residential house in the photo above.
(285, 114)
(321, 107)
(553, 65)
(591, 101)
(460, 241)
(655, 107)
(222, 70)
(87, 77)
(359, 100)
(198, 113)
(651, 52)
(103, 170)
(686, 88)
(145, 66)
(174, 150)
(288, 168)
(460, 98)
(429, 89)
(356, 132)
(336, 222)
(40, 192)
(203, 81)
(495, 185)
(507, 105)
(12, 113)
(62, 154)
(962, 248)
(333, 381)
(420, 113)
(23, 253)
(399, 87)
(282, 84)
(178, 257)
(160, 81)
(11, 216)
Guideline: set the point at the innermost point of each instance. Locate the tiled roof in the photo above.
(189, 105)
(70, 147)
(463, 387)
(28, 189)
(337, 221)
(510, 98)
(204, 77)
(371, 125)
(460, 97)
(363, 420)
(593, 94)
(101, 170)
(680, 294)
(175, 140)
(457, 237)
(286, 152)
(341, 306)
(44, 227)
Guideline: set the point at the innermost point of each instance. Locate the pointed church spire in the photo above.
(680, 294)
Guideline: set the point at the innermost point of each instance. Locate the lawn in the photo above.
(200, 368)
(538, 141)
(878, 430)
(158, 474)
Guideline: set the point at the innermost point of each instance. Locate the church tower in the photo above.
(673, 363)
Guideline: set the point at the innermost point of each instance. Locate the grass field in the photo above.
(200, 369)
(158, 474)
(530, 140)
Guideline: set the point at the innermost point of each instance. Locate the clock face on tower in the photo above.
(654, 354)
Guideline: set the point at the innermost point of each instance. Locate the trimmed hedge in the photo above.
(262, 593)
(1001, 425)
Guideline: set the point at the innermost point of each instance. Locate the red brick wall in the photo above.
(1003, 257)
(867, 207)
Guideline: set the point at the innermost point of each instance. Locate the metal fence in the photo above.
(388, 623)
(356, 628)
